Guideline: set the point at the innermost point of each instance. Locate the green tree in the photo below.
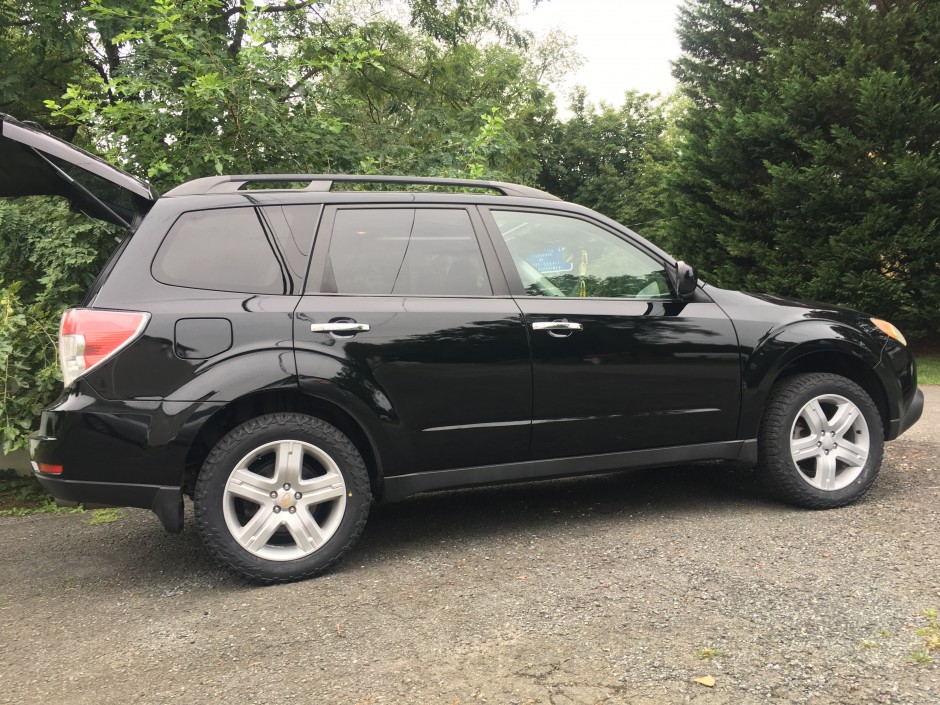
(613, 160)
(808, 161)
(41, 53)
(177, 89)
(50, 258)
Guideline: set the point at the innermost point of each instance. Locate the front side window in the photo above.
(405, 252)
(560, 256)
(224, 250)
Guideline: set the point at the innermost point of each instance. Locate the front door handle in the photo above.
(340, 328)
(560, 324)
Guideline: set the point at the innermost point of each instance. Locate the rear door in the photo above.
(35, 163)
(413, 322)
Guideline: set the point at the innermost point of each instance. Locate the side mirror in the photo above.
(685, 280)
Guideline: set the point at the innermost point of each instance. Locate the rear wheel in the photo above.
(282, 497)
(821, 441)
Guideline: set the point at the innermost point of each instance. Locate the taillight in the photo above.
(89, 336)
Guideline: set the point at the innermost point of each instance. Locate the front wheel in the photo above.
(282, 497)
(820, 441)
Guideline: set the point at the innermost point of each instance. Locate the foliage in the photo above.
(205, 86)
(41, 52)
(808, 163)
(49, 259)
(24, 495)
(433, 108)
(613, 160)
(105, 515)
(178, 89)
(198, 87)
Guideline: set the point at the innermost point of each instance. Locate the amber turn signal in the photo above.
(889, 330)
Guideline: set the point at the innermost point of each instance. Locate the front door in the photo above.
(619, 363)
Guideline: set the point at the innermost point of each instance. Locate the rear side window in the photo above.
(405, 252)
(222, 250)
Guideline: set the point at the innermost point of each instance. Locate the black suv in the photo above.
(284, 351)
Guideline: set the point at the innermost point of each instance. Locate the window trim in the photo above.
(316, 272)
(296, 281)
(516, 287)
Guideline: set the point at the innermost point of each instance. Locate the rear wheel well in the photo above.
(237, 412)
(849, 367)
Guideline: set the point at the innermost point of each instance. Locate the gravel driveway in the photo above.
(595, 590)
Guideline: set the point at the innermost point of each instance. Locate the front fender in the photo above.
(783, 347)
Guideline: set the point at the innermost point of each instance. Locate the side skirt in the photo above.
(744, 452)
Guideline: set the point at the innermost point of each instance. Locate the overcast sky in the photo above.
(626, 44)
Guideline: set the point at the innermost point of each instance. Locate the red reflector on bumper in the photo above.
(50, 469)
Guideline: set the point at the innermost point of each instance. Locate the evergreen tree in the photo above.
(808, 161)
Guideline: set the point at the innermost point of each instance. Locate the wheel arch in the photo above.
(846, 365)
(236, 412)
(821, 347)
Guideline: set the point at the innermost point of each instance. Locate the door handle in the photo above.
(340, 328)
(559, 325)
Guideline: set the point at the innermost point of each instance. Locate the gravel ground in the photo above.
(595, 590)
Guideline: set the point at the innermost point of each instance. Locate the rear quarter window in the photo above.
(222, 250)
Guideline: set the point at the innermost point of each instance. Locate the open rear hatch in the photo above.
(35, 163)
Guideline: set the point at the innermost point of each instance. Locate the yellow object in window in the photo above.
(582, 273)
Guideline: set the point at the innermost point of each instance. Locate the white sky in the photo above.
(626, 44)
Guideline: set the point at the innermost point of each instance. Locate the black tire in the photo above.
(792, 482)
(219, 512)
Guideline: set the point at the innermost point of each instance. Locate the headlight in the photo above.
(889, 330)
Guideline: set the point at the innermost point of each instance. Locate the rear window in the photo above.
(405, 252)
(223, 250)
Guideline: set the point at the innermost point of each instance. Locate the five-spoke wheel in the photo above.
(821, 440)
(282, 497)
(829, 442)
(284, 500)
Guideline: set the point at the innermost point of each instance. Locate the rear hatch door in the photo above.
(35, 163)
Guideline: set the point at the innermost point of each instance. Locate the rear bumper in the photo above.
(165, 502)
(121, 453)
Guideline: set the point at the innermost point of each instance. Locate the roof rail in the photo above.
(324, 182)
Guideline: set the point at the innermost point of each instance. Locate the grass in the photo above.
(107, 515)
(931, 636)
(931, 632)
(20, 496)
(707, 654)
(928, 367)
